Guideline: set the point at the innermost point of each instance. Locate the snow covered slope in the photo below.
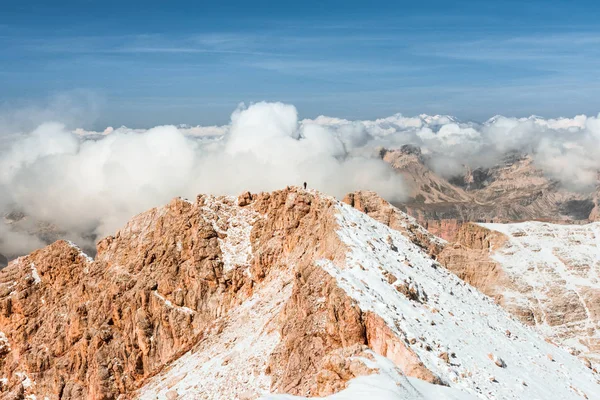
(457, 332)
(555, 273)
(231, 363)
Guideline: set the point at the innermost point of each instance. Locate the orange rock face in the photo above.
(79, 328)
(446, 229)
(469, 258)
(82, 328)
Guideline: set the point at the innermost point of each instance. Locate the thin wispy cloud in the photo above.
(361, 61)
(330, 67)
(519, 48)
(188, 50)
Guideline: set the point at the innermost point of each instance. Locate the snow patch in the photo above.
(169, 304)
(34, 274)
(81, 252)
(4, 343)
(25, 380)
(539, 258)
(234, 225)
(186, 200)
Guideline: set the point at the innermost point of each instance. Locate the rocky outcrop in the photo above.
(82, 328)
(469, 258)
(446, 229)
(339, 367)
(317, 304)
(161, 282)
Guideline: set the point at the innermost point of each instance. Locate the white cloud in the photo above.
(93, 182)
(566, 149)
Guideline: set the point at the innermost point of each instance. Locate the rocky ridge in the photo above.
(286, 292)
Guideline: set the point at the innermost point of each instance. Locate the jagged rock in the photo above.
(338, 368)
(444, 356)
(497, 360)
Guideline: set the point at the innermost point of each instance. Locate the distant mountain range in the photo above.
(511, 191)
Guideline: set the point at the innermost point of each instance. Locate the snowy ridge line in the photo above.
(408, 221)
(455, 319)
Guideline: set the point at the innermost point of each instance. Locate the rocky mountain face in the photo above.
(545, 274)
(264, 296)
(511, 191)
(424, 185)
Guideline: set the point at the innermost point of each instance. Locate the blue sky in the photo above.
(143, 63)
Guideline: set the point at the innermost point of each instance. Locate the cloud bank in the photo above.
(566, 149)
(88, 184)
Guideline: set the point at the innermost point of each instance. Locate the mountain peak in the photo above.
(289, 292)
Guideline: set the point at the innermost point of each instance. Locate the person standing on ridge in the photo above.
(304, 185)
